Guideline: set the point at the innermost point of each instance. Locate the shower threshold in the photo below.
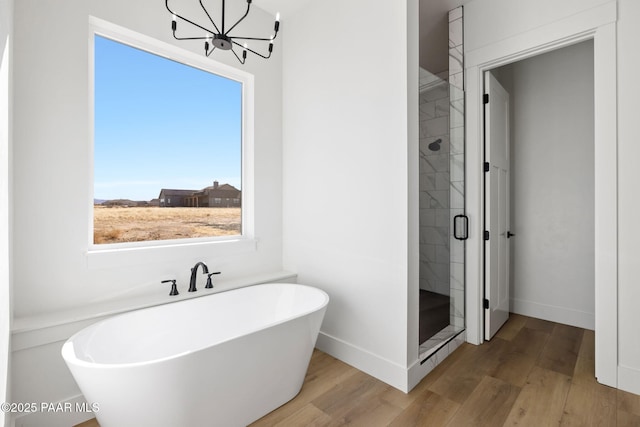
(439, 340)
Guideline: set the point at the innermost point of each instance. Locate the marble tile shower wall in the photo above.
(434, 184)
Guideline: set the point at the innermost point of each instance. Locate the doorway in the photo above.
(491, 51)
(544, 258)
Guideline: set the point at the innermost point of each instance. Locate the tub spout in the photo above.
(194, 272)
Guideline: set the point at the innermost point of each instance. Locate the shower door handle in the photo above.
(509, 234)
(461, 222)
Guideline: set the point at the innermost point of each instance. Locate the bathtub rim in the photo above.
(70, 358)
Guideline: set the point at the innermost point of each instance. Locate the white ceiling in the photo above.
(285, 7)
(434, 30)
(430, 9)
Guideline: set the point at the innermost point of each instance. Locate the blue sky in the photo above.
(161, 124)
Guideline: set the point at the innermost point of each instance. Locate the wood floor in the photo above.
(533, 373)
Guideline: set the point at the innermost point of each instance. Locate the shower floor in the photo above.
(434, 314)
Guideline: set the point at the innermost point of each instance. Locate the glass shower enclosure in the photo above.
(443, 226)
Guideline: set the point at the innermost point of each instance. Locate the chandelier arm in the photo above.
(188, 38)
(252, 38)
(237, 57)
(166, 3)
(207, 54)
(252, 51)
(223, 2)
(239, 20)
(256, 38)
(209, 16)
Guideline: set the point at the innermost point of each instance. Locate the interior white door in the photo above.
(496, 203)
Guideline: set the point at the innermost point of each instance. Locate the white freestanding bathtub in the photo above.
(226, 359)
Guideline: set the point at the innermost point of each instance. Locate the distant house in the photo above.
(215, 196)
(173, 198)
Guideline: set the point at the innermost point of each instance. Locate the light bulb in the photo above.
(276, 25)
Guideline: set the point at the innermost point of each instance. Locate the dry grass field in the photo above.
(136, 224)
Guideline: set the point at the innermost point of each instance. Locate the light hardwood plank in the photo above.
(541, 401)
(628, 402)
(398, 398)
(561, 350)
(308, 415)
(465, 374)
(341, 398)
(324, 373)
(460, 381)
(488, 405)
(594, 405)
(588, 347)
(430, 409)
(626, 419)
(442, 369)
(368, 412)
(511, 329)
(539, 325)
(530, 341)
(584, 374)
(514, 368)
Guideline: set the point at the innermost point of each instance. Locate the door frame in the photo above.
(597, 24)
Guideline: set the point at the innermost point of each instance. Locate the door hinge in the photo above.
(486, 234)
(486, 304)
(486, 166)
(485, 98)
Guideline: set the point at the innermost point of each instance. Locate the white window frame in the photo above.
(131, 253)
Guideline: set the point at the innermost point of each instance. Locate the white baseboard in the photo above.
(61, 414)
(372, 364)
(567, 316)
(629, 379)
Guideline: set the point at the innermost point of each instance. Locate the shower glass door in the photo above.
(443, 226)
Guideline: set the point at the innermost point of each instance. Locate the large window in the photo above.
(168, 148)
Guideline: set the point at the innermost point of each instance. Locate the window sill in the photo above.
(119, 257)
(45, 328)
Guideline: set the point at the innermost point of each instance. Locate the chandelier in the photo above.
(219, 37)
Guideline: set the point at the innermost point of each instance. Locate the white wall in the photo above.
(628, 200)
(552, 186)
(346, 176)
(6, 13)
(52, 160)
(515, 18)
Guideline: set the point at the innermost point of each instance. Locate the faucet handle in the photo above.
(209, 284)
(174, 288)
